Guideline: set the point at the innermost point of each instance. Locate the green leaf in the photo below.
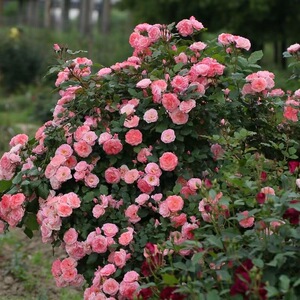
(18, 178)
(28, 232)
(255, 56)
(31, 222)
(215, 241)
(213, 295)
(103, 189)
(5, 185)
(43, 190)
(284, 283)
(169, 279)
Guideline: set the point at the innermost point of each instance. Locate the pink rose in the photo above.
(258, 84)
(112, 175)
(126, 237)
(98, 211)
(133, 137)
(82, 148)
(180, 83)
(118, 258)
(174, 203)
(110, 229)
(187, 106)
(168, 161)
(131, 122)
(131, 276)
(170, 101)
(112, 146)
(99, 244)
(110, 287)
(131, 176)
(144, 83)
(242, 42)
(151, 115)
(107, 270)
(246, 220)
(185, 27)
(178, 117)
(105, 136)
(19, 139)
(132, 213)
(70, 236)
(168, 136)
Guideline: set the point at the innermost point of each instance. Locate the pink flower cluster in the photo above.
(259, 82)
(291, 107)
(11, 208)
(227, 39)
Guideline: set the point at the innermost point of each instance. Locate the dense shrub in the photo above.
(171, 175)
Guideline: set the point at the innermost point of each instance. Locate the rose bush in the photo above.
(171, 175)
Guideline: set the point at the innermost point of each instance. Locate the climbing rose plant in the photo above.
(171, 175)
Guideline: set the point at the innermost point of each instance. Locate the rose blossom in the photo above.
(168, 161)
(168, 136)
(112, 146)
(150, 115)
(170, 101)
(246, 221)
(110, 286)
(112, 175)
(174, 203)
(110, 229)
(126, 237)
(133, 137)
(131, 213)
(144, 83)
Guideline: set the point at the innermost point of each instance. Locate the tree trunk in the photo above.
(105, 16)
(47, 14)
(32, 13)
(85, 20)
(66, 4)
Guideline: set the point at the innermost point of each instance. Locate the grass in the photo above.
(28, 264)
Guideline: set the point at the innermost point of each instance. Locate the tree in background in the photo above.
(259, 20)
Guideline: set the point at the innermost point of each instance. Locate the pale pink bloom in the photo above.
(112, 175)
(69, 274)
(62, 76)
(142, 199)
(129, 290)
(178, 117)
(152, 180)
(168, 136)
(70, 236)
(80, 131)
(133, 137)
(293, 48)
(242, 42)
(194, 184)
(268, 191)
(82, 148)
(168, 161)
(71, 162)
(126, 237)
(63, 174)
(118, 258)
(258, 84)
(58, 160)
(185, 27)
(131, 276)
(19, 139)
(68, 263)
(131, 176)
(110, 229)
(64, 150)
(90, 137)
(164, 209)
(181, 58)
(98, 211)
(107, 270)
(143, 154)
(82, 61)
(105, 136)
(123, 169)
(55, 269)
(63, 209)
(180, 83)
(153, 168)
(56, 47)
(144, 83)
(131, 122)
(73, 200)
(196, 24)
(246, 221)
(150, 115)
(174, 203)
(91, 180)
(127, 109)
(225, 39)
(82, 166)
(187, 106)
(104, 71)
(157, 88)
(157, 197)
(154, 32)
(99, 244)
(110, 287)
(112, 146)
(170, 101)
(132, 213)
(198, 46)
(291, 113)
(179, 220)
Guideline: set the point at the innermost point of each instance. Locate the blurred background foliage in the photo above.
(29, 28)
